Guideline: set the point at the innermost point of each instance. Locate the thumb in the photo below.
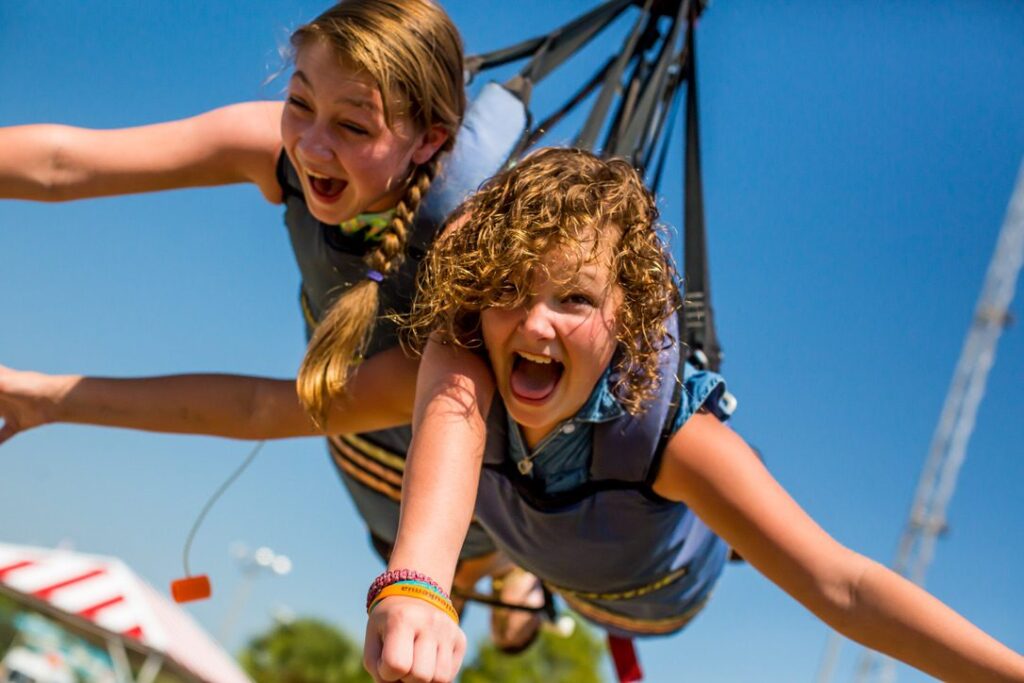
(9, 429)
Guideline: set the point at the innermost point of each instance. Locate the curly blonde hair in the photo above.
(413, 52)
(555, 198)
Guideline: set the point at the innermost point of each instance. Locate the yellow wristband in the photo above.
(406, 590)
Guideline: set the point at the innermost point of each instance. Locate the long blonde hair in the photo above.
(413, 52)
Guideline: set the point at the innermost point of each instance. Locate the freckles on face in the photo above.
(348, 159)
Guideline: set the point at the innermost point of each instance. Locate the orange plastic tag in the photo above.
(191, 588)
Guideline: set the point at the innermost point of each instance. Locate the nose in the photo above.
(537, 321)
(314, 144)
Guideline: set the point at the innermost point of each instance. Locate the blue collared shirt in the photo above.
(561, 461)
(562, 458)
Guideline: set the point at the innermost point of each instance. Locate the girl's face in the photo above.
(548, 354)
(333, 129)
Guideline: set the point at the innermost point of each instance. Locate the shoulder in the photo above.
(695, 433)
(701, 391)
(246, 137)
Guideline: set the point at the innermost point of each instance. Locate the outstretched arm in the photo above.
(233, 144)
(710, 468)
(236, 406)
(406, 637)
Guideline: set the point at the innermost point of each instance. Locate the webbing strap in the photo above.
(613, 78)
(699, 317)
(627, 664)
(566, 41)
(635, 135)
(549, 51)
(539, 130)
(666, 144)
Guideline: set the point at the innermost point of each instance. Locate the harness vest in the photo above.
(619, 554)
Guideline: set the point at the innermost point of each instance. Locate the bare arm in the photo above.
(236, 406)
(710, 468)
(453, 394)
(233, 144)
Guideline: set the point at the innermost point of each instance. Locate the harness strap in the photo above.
(636, 134)
(627, 665)
(613, 78)
(549, 51)
(700, 322)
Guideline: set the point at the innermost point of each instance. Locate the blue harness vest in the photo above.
(619, 554)
(331, 261)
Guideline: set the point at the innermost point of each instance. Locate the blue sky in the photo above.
(858, 160)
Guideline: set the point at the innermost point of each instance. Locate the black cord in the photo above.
(213, 499)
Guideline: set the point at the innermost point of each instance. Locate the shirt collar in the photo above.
(602, 405)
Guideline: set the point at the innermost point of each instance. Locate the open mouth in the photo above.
(325, 188)
(534, 377)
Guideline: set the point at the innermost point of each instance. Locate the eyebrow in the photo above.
(358, 102)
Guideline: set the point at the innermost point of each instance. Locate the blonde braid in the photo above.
(343, 334)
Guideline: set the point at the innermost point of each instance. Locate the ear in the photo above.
(429, 142)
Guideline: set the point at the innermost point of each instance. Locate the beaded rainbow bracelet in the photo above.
(416, 589)
(394, 576)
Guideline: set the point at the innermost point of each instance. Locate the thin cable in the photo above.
(213, 499)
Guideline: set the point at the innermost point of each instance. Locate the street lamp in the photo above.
(251, 564)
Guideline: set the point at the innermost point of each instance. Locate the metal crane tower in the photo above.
(956, 422)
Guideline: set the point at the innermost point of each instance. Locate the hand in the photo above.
(407, 640)
(27, 399)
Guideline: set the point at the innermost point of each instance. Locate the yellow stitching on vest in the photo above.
(360, 460)
(628, 594)
(307, 312)
(381, 455)
(641, 626)
(339, 456)
(365, 479)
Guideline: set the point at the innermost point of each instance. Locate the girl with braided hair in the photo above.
(373, 107)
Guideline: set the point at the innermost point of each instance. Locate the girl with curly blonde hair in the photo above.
(601, 462)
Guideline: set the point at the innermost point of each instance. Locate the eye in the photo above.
(354, 128)
(298, 103)
(578, 299)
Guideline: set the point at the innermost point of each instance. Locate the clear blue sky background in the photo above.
(858, 159)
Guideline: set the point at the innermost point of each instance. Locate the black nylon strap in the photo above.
(699, 319)
(538, 131)
(566, 41)
(631, 141)
(613, 79)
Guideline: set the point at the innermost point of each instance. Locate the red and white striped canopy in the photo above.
(105, 591)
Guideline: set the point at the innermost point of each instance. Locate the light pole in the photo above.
(251, 564)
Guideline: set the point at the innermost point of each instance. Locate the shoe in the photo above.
(512, 630)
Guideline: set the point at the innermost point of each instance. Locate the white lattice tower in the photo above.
(956, 422)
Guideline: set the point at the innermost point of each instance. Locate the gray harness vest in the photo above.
(641, 564)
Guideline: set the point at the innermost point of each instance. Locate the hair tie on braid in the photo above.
(375, 275)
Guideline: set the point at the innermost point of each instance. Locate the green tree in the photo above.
(552, 659)
(304, 651)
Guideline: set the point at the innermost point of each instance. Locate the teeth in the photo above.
(535, 359)
(317, 175)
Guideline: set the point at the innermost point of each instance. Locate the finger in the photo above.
(424, 659)
(9, 429)
(458, 653)
(396, 655)
(371, 651)
(443, 670)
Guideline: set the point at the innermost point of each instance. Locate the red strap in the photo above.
(627, 666)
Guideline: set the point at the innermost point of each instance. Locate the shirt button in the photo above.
(569, 428)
